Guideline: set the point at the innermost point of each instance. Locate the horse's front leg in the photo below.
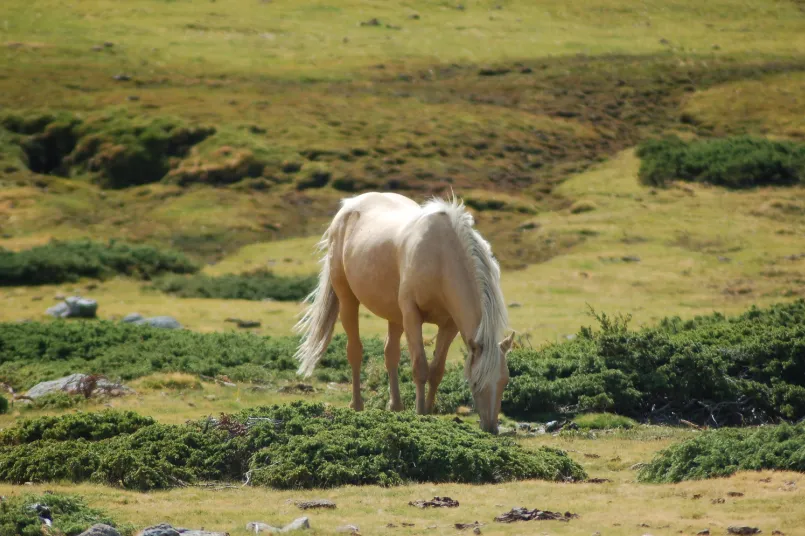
(444, 338)
(412, 323)
(349, 319)
(391, 351)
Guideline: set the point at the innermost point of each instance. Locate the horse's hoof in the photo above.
(395, 407)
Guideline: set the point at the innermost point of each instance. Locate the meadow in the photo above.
(182, 157)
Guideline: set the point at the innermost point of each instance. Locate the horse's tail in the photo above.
(318, 322)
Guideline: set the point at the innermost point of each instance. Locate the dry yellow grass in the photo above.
(773, 105)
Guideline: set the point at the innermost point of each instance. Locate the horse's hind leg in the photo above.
(444, 338)
(392, 355)
(412, 323)
(349, 319)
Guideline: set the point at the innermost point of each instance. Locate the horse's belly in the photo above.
(377, 290)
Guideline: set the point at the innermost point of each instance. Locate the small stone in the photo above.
(743, 530)
(705, 532)
(97, 48)
(300, 523)
(108, 44)
(100, 530)
(132, 317)
(163, 529)
(74, 307)
(371, 22)
(122, 77)
(515, 305)
(630, 258)
(351, 529)
(256, 526)
(162, 322)
(414, 16)
(133, 98)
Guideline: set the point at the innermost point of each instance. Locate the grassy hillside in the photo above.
(229, 130)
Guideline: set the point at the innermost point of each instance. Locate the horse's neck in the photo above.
(464, 300)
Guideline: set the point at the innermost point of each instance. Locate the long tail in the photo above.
(318, 322)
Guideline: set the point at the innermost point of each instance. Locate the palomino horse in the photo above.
(411, 264)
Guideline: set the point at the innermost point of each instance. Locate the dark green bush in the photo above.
(259, 285)
(119, 150)
(71, 515)
(715, 370)
(3, 404)
(723, 452)
(90, 426)
(737, 162)
(59, 262)
(35, 352)
(292, 446)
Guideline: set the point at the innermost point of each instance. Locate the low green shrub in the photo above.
(34, 352)
(59, 262)
(90, 426)
(748, 369)
(604, 421)
(723, 452)
(299, 445)
(737, 162)
(70, 515)
(258, 285)
(55, 400)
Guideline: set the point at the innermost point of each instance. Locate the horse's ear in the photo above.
(506, 345)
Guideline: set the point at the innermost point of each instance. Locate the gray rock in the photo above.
(72, 385)
(164, 529)
(74, 307)
(133, 317)
(301, 523)
(257, 527)
(348, 528)
(297, 524)
(100, 530)
(60, 310)
(164, 322)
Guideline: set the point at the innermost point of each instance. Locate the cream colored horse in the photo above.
(411, 264)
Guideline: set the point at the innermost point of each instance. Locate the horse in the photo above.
(411, 264)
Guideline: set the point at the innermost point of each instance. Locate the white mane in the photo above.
(494, 317)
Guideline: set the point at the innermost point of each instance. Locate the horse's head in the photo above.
(488, 394)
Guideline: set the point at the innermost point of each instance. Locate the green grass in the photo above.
(255, 286)
(604, 421)
(724, 452)
(35, 352)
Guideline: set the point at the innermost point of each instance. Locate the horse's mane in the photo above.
(494, 317)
